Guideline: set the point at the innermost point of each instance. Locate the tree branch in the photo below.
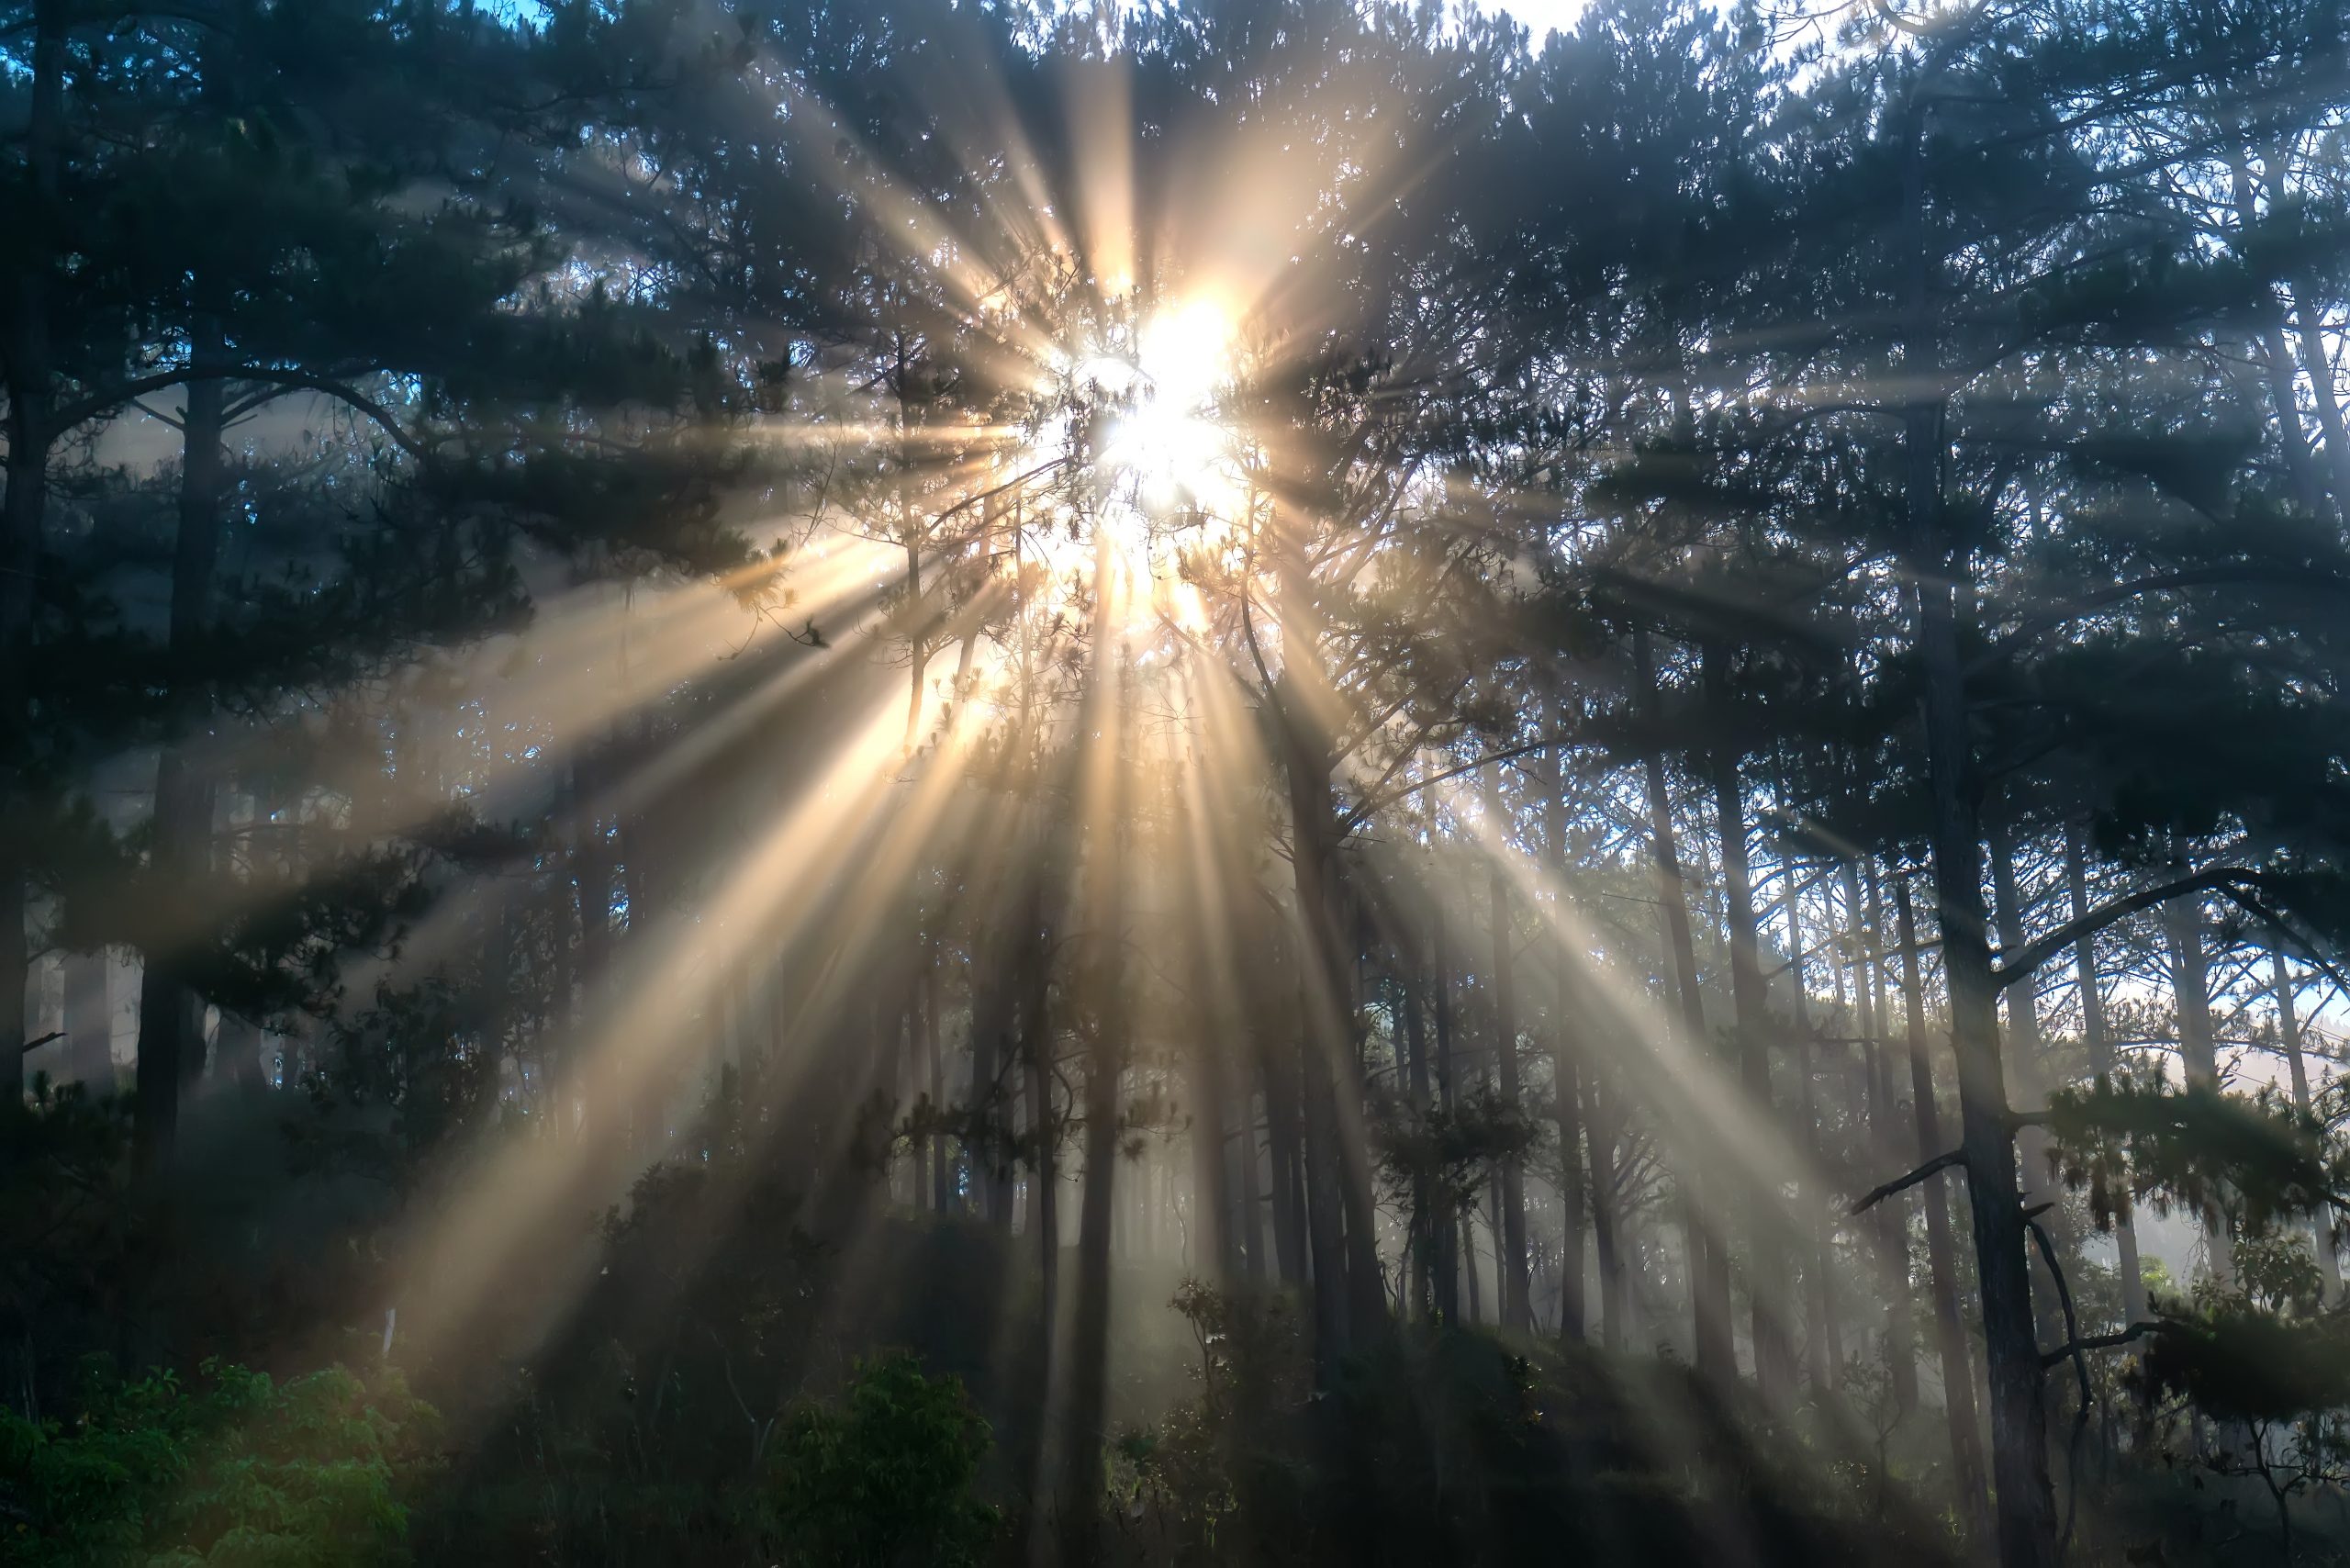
(1933, 1167)
(1363, 809)
(2027, 958)
(100, 402)
(2063, 1353)
(2080, 1370)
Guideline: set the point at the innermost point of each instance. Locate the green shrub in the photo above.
(240, 1471)
(885, 1478)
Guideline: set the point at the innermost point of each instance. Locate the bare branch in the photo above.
(2063, 1353)
(2026, 959)
(1933, 1167)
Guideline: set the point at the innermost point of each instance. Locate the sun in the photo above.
(1155, 457)
(1164, 446)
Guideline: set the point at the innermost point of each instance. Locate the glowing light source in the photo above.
(1170, 436)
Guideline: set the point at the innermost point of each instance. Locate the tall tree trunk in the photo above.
(1083, 1432)
(1213, 1237)
(2327, 391)
(1950, 1332)
(1320, 1045)
(2025, 1500)
(1283, 1135)
(1824, 1336)
(170, 1017)
(1884, 1133)
(1607, 1240)
(2276, 361)
(942, 1164)
(2027, 1078)
(2288, 1036)
(1448, 1224)
(1419, 1262)
(2099, 1043)
(1088, 1312)
(1516, 1296)
(1709, 1258)
(1044, 1224)
(1252, 1219)
(1566, 1085)
(1766, 1239)
(2197, 1048)
(25, 357)
(1349, 1298)
(592, 870)
(1469, 1264)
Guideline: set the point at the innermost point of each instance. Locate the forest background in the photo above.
(1261, 780)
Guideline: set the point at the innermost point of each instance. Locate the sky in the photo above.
(1538, 16)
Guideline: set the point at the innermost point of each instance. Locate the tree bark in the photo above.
(1950, 1333)
(1575, 1192)
(941, 1169)
(2197, 1049)
(1417, 1262)
(2326, 390)
(1516, 1295)
(1766, 1237)
(1448, 1224)
(25, 354)
(1277, 1065)
(1823, 1338)
(1709, 1258)
(1892, 1227)
(2099, 1044)
(1349, 1299)
(2026, 1081)
(2026, 1504)
(1083, 1433)
(2288, 1036)
(170, 1017)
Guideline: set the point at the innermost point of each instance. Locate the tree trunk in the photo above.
(1824, 1336)
(941, 1165)
(1516, 1310)
(1766, 1239)
(1892, 1227)
(1283, 1135)
(1213, 1234)
(2028, 1081)
(1606, 1244)
(171, 1040)
(1044, 1225)
(2288, 1036)
(1448, 1224)
(1418, 1263)
(2197, 1049)
(1950, 1333)
(1709, 1258)
(1574, 1191)
(1252, 1219)
(2100, 1052)
(2025, 1500)
(25, 358)
(2328, 393)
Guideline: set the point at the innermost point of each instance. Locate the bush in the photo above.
(238, 1473)
(884, 1479)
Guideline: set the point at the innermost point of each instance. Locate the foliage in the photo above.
(884, 1478)
(235, 1472)
(2131, 1136)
